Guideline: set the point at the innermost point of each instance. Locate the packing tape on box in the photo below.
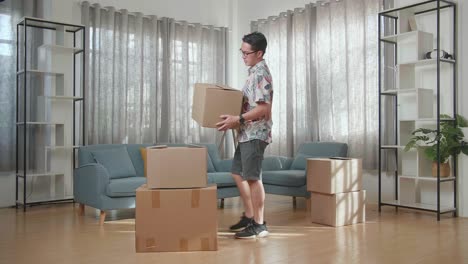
(145, 243)
(155, 200)
(204, 244)
(150, 243)
(195, 201)
(195, 198)
(137, 242)
(183, 244)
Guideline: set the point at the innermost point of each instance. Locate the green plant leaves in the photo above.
(461, 121)
(449, 140)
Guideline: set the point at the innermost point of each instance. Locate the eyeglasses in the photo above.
(245, 53)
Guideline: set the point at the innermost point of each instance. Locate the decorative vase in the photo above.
(444, 169)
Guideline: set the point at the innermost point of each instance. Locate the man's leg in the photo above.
(258, 199)
(244, 190)
(258, 227)
(252, 160)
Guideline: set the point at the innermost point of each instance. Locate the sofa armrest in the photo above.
(89, 183)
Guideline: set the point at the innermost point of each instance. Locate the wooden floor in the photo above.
(57, 234)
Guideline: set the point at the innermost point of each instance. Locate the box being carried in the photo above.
(338, 209)
(334, 175)
(176, 219)
(212, 100)
(176, 167)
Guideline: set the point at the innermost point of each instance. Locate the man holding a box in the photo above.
(254, 136)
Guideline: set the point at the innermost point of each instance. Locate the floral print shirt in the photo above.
(257, 89)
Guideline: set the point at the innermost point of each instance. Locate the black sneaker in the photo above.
(254, 230)
(243, 223)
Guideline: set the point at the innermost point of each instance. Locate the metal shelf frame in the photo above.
(434, 6)
(23, 25)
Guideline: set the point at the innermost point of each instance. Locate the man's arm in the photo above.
(261, 111)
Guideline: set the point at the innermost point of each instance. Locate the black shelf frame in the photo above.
(420, 8)
(47, 25)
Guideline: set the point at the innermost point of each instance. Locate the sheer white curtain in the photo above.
(11, 12)
(141, 71)
(290, 56)
(324, 65)
(347, 75)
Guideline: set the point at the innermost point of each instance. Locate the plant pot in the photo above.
(444, 169)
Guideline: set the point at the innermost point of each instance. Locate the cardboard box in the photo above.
(338, 209)
(176, 167)
(176, 219)
(334, 175)
(212, 100)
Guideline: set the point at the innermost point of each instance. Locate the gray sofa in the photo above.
(109, 174)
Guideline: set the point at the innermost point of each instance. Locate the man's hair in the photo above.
(257, 40)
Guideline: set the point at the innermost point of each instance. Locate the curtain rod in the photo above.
(298, 9)
(324, 2)
(179, 22)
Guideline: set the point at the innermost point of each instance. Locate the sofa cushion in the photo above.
(116, 161)
(210, 166)
(272, 163)
(136, 158)
(292, 178)
(224, 165)
(318, 150)
(85, 153)
(221, 179)
(300, 162)
(124, 187)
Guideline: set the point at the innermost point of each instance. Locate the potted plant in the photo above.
(451, 140)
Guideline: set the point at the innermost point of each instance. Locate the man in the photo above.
(254, 136)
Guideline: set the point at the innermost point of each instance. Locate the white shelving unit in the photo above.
(421, 90)
(50, 109)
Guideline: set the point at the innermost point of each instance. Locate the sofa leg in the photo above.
(221, 205)
(102, 217)
(294, 202)
(81, 209)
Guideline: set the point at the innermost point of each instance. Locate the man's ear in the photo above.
(260, 54)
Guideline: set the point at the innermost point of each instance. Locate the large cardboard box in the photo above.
(212, 100)
(334, 175)
(338, 209)
(176, 219)
(176, 167)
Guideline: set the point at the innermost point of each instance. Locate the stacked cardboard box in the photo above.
(176, 210)
(176, 167)
(337, 197)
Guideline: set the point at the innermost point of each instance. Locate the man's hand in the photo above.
(261, 111)
(228, 122)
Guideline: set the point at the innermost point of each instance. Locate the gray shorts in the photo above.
(248, 159)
